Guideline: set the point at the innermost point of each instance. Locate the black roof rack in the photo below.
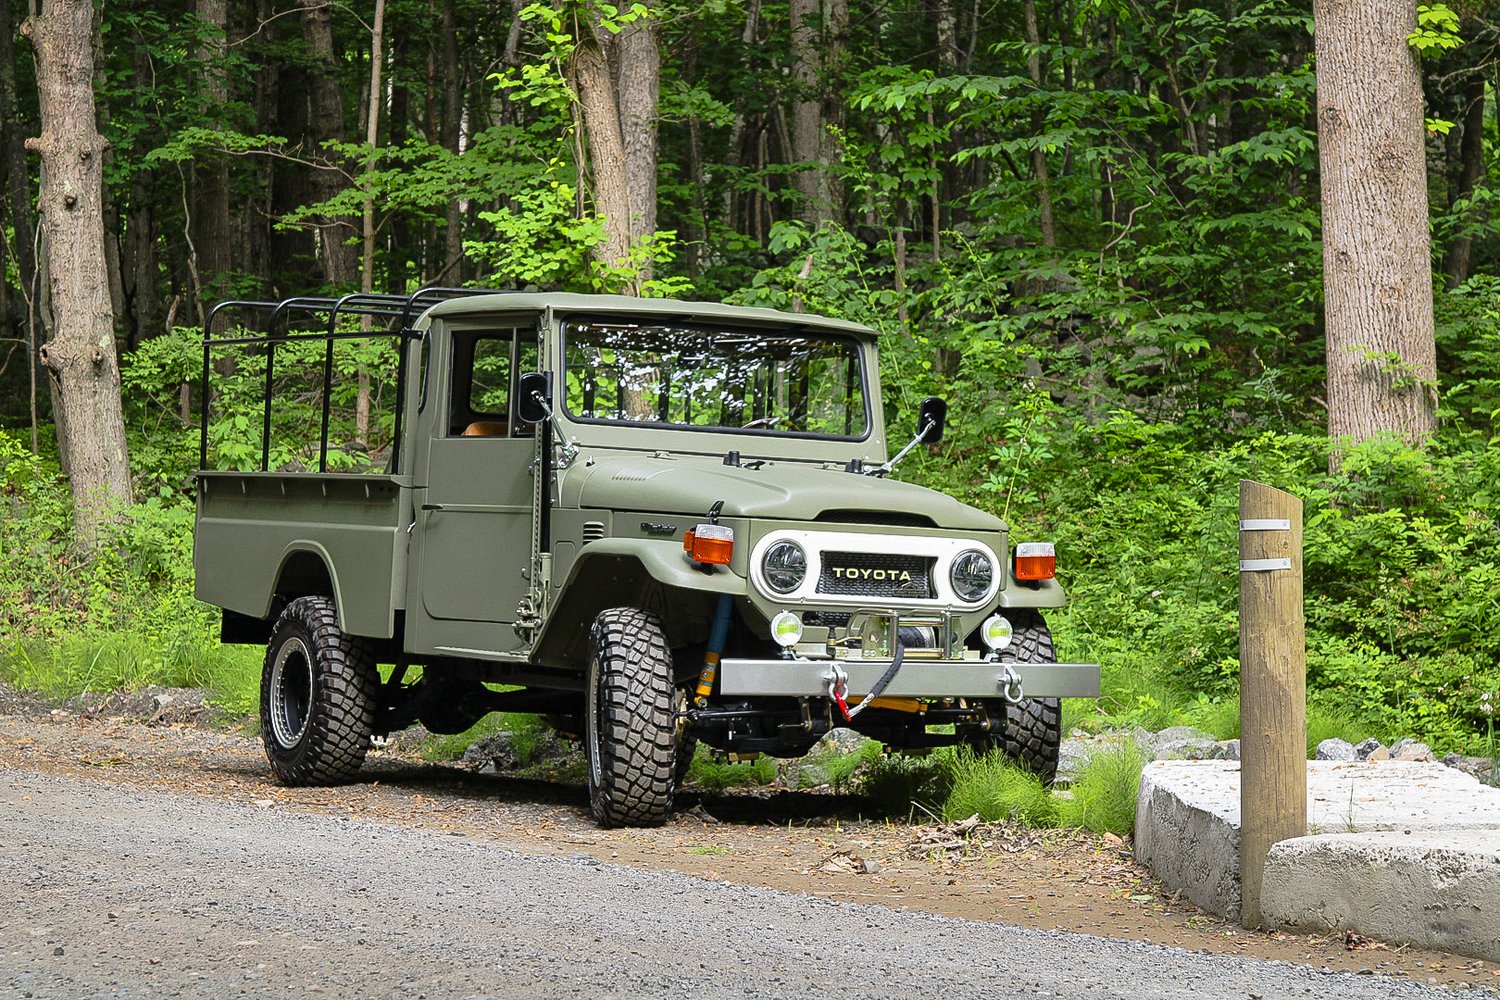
(407, 309)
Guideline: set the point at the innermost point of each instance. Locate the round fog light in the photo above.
(786, 629)
(996, 632)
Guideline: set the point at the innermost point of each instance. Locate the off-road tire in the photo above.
(1033, 726)
(318, 696)
(631, 736)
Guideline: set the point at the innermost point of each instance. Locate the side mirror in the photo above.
(534, 397)
(930, 420)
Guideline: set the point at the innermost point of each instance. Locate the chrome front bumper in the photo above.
(916, 679)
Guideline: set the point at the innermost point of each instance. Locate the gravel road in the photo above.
(107, 891)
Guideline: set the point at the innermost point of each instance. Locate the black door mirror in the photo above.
(930, 420)
(534, 397)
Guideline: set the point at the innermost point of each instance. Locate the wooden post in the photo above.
(1273, 684)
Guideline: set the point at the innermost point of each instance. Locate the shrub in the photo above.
(997, 789)
(903, 784)
(1105, 792)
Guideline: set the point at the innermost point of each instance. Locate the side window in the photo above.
(527, 360)
(482, 370)
(423, 352)
(489, 389)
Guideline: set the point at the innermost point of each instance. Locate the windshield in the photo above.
(678, 375)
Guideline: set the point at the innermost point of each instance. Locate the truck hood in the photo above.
(783, 491)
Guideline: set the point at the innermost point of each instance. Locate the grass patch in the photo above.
(1219, 717)
(525, 732)
(1327, 722)
(998, 790)
(103, 662)
(1105, 791)
(837, 768)
(902, 784)
(713, 775)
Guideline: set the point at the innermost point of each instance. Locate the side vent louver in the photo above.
(592, 531)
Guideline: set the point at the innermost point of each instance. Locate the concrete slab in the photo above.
(1436, 889)
(1188, 814)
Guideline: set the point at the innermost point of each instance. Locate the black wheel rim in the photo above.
(594, 725)
(291, 693)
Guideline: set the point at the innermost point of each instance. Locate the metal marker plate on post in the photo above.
(1266, 524)
(1263, 565)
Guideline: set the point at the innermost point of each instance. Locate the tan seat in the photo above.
(486, 428)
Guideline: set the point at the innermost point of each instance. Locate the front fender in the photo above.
(623, 572)
(1031, 593)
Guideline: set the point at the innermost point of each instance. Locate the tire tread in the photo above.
(345, 687)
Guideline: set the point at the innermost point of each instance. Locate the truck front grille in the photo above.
(875, 574)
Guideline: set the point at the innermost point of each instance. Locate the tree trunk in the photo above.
(639, 90)
(110, 209)
(1377, 272)
(16, 172)
(326, 124)
(80, 357)
(1459, 264)
(367, 261)
(212, 230)
(606, 156)
(453, 106)
(1038, 155)
(807, 108)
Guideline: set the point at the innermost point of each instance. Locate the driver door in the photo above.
(474, 526)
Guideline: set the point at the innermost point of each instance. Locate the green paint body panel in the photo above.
(445, 558)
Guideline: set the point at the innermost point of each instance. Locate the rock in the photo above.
(1368, 747)
(1188, 816)
(872, 867)
(1336, 749)
(1071, 756)
(492, 753)
(1228, 750)
(1172, 733)
(1433, 888)
(1482, 768)
(1187, 748)
(1410, 749)
(842, 741)
(151, 705)
(1146, 740)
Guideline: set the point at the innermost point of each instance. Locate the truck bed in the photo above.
(253, 526)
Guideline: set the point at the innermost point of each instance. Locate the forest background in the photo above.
(1094, 226)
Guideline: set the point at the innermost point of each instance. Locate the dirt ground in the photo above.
(807, 842)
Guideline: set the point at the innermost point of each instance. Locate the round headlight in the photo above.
(784, 566)
(971, 575)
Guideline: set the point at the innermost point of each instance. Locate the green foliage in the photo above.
(908, 785)
(525, 732)
(998, 790)
(1437, 29)
(713, 775)
(1103, 795)
(123, 619)
(1400, 569)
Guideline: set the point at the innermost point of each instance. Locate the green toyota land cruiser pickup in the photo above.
(654, 523)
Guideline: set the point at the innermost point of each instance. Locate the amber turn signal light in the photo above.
(1036, 561)
(709, 543)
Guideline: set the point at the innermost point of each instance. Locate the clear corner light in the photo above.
(996, 633)
(784, 566)
(786, 629)
(972, 574)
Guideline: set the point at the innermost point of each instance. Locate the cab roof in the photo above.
(621, 305)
